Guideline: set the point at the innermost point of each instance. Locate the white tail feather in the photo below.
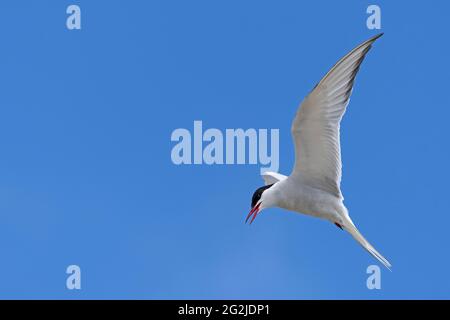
(351, 228)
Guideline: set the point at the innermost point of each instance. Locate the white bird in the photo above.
(313, 188)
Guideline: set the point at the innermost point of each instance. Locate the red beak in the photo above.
(253, 212)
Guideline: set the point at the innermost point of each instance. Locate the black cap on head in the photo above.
(258, 193)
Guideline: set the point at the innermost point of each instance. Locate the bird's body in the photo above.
(313, 188)
(293, 194)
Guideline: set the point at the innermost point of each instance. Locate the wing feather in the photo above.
(315, 128)
(272, 177)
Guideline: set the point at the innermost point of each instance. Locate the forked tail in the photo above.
(350, 227)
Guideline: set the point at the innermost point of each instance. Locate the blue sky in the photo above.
(86, 176)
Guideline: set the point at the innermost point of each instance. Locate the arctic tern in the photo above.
(313, 188)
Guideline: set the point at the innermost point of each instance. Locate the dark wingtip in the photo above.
(377, 36)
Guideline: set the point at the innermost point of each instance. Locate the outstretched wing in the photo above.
(316, 125)
(272, 177)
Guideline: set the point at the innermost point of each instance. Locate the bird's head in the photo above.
(259, 202)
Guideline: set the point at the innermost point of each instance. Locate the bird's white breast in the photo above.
(292, 194)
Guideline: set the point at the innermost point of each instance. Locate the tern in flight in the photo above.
(313, 188)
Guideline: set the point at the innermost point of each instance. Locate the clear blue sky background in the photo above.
(86, 176)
